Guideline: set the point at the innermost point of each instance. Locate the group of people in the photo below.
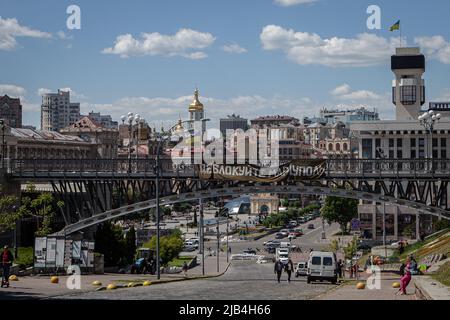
(286, 267)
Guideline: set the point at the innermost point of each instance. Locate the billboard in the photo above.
(40, 252)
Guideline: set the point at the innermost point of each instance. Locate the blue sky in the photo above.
(252, 57)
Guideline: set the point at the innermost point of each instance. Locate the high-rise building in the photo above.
(11, 111)
(57, 112)
(104, 120)
(232, 122)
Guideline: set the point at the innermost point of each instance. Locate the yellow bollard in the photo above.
(147, 283)
(13, 277)
(96, 283)
(111, 286)
(396, 285)
(131, 284)
(360, 285)
(54, 279)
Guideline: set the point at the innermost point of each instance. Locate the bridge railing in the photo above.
(389, 166)
(350, 167)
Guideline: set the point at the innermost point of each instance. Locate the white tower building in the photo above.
(408, 88)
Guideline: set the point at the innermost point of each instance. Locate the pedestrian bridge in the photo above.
(102, 190)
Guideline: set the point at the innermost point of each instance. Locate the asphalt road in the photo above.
(245, 280)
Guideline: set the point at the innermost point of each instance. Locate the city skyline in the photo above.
(273, 57)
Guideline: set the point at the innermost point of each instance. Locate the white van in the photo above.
(282, 255)
(286, 245)
(322, 266)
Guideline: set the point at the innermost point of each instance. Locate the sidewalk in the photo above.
(348, 291)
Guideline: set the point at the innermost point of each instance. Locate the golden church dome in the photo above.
(196, 105)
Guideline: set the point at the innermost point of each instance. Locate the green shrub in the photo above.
(24, 257)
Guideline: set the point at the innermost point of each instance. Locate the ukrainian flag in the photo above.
(396, 26)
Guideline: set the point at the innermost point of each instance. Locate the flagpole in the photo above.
(400, 28)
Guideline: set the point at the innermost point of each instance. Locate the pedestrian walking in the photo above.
(339, 268)
(278, 269)
(404, 281)
(7, 258)
(289, 267)
(185, 269)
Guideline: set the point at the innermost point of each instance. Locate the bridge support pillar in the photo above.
(417, 226)
(396, 223)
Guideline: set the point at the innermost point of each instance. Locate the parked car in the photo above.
(310, 226)
(249, 251)
(302, 269)
(285, 232)
(322, 266)
(293, 223)
(298, 232)
(280, 235)
(292, 235)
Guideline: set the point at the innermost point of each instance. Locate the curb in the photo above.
(139, 284)
(420, 292)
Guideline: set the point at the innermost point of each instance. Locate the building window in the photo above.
(344, 147)
(435, 142)
(443, 142)
(377, 143)
(421, 142)
(413, 142)
(408, 95)
(413, 154)
(391, 154)
(399, 143)
(391, 143)
(435, 154)
(367, 147)
(443, 153)
(399, 154)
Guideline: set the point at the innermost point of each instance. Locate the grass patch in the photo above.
(443, 274)
(178, 262)
(24, 257)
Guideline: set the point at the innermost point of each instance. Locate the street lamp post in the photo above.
(218, 243)
(228, 226)
(3, 127)
(162, 138)
(428, 120)
(130, 118)
(202, 238)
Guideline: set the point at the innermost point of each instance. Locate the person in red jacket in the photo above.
(6, 261)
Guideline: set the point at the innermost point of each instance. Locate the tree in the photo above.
(169, 246)
(340, 210)
(334, 246)
(351, 248)
(42, 208)
(8, 213)
(110, 242)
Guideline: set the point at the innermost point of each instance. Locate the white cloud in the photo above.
(309, 48)
(186, 43)
(63, 36)
(12, 90)
(42, 91)
(352, 99)
(10, 29)
(288, 3)
(168, 110)
(344, 92)
(340, 90)
(436, 47)
(234, 48)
